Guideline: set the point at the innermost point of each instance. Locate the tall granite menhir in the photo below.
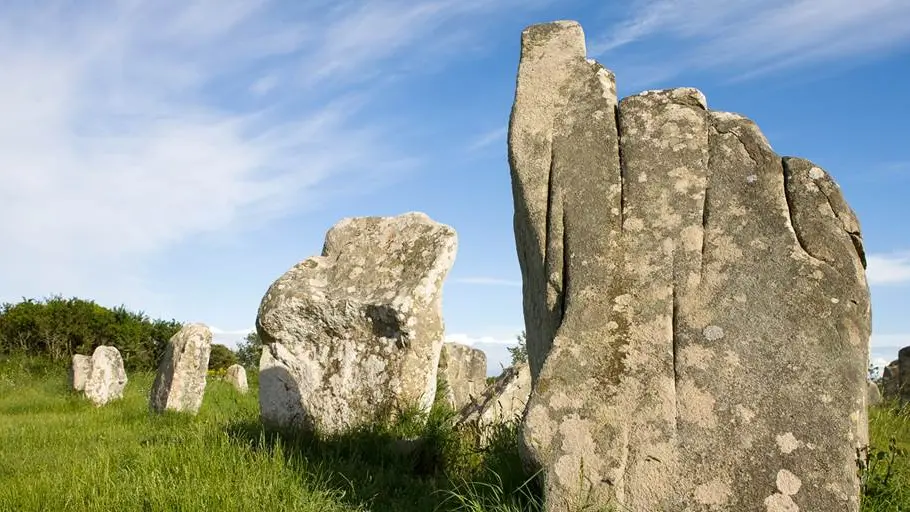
(696, 306)
(356, 333)
(180, 382)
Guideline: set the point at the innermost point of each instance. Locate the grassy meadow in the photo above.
(58, 453)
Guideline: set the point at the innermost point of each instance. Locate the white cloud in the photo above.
(129, 127)
(753, 37)
(487, 281)
(488, 139)
(888, 269)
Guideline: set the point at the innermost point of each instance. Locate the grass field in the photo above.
(58, 452)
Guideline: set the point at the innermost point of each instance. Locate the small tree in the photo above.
(249, 350)
(519, 352)
(221, 357)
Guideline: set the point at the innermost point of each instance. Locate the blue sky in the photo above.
(178, 156)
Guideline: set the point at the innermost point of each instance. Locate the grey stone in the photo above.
(891, 381)
(180, 382)
(502, 402)
(696, 307)
(80, 369)
(903, 375)
(235, 375)
(464, 370)
(355, 334)
(107, 378)
(874, 394)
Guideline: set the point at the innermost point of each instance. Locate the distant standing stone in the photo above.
(356, 333)
(891, 381)
(180, 382)
(236, 376)
(874, 396)
(502, 402)
(464, 370)
(107, 378)
(903, 374)
(79, 371)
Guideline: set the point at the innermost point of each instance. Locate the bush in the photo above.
(58, 328)
(221, 357)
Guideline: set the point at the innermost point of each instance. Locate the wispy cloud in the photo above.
(888, 269)
(487, 281)
(488, 139)
(749, 38)
(129, 127)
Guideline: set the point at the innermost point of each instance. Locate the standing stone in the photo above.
(874, 395)
(236, 376)
(180, 382)
(79, 371)
(696, 306)
(502, 402)
(903, 374)
(106, 378)
(891, 381)
(464, 370)
(356, 333)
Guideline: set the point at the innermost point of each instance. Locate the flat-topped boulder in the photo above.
(355, 333)
(696, 305)
(80, 369)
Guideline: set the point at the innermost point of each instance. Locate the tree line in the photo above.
(58, 327)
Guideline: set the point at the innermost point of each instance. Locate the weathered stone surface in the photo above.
(503, 401)
(464, 370)
(903, 374)
(874, 394)
(696, 307)
(891, 381)
(236, 376)
(106, 378)
(356, 332)
(180, 382)
(79, 371)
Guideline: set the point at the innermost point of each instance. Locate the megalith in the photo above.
(106, 378)
(891, 381)
(873, 394)
(355, 333)
(903, 374)
(696, 306)
(180, 382)
(80, 369)
(235, 375)
(502, 402)
(464, 370)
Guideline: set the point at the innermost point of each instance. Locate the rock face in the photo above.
(903, 374)
(106, 378)
(356, 332)
(236, 376)
(503, 401)
(465, 372)
(79, 371)
(180, 382)
(891, 381)
(696, 306)
(874, 395)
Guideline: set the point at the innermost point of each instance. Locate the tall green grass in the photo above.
(58, 452)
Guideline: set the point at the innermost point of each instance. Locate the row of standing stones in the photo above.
(696, 309)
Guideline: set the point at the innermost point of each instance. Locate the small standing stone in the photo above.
(502, 402)
(236, 376)
(107, 378)
(180, 382)
(874, 396)
(464, 369)
(79, 371)
(891, 381)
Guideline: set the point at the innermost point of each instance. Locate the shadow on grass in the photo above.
(420, 462)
